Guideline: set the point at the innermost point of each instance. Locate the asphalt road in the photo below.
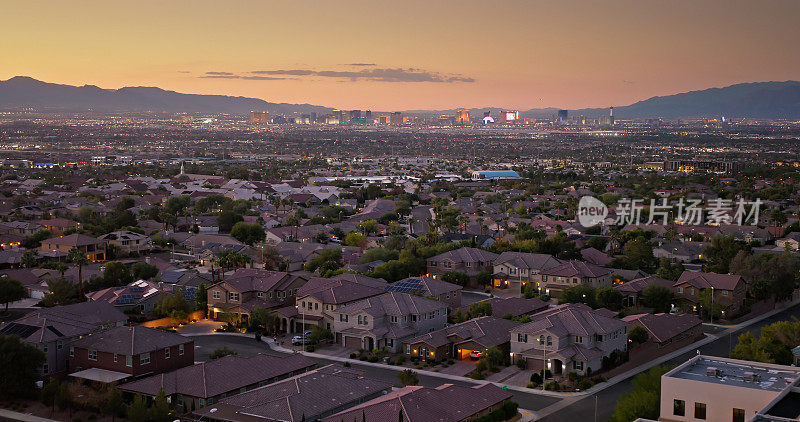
(583, 409)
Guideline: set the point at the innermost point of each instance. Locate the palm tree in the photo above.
(77, 257)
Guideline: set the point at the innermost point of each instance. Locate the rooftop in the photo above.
(736, 373)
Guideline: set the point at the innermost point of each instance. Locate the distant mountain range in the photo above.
(775, 100)
(23, 91)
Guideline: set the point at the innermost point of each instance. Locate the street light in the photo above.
(544, 360)
(711, 314)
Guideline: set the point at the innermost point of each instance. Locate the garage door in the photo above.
(352, 342)
(535, 364)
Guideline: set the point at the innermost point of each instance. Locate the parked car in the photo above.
(298, 340)
(475, 355)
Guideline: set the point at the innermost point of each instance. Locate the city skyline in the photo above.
(408, 56)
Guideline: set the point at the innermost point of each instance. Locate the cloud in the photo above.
(225, 75)
(376, 75)
(361, 64)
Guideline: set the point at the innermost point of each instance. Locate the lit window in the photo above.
(144, 358)
(92, 354)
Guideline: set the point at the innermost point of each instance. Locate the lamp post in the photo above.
(544, 360)
(711, 313)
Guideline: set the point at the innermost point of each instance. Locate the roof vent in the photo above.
(713, 372)
(751, 376)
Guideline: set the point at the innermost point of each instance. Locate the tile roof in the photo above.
(663, 327)
(488, 331)
(131, 340)
(308, 395)
(466, 255)
(639, 284)
(446, 403)
(393, 303)
(577, 269)
(570, 319)
(707, 280)
(536, 261)
(218, 376)
(336, 291)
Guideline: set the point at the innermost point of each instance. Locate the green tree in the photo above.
(639, 254)
(327, 259)
(493, 357)
(644, 399)
(143, 271)
(368, 227)
(579, 294)
(62, 292)
(201, 298)
(608, 297)
(408, 377)
(456, 277)
(35, 240)
(319, 334)
(113, 404)
(773, 345)
(115, 273)
(137, 410)
(49, 392)
(248, 233)
(720, 253)
(160, 411)
(78, 258)
(63, 398)
(355, 239)
(227, 219)
(11, 291)
(29, 258)
(484, 278)
(638, 334)
(174, 305)
(657, 297)
(262, 319)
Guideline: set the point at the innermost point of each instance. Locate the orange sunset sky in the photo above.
(401, 55)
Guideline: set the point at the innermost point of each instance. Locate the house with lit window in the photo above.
(728, 290)
(573, 273)
(440, 290)
(94, 249)
(129, 351)
(319, 297)
(514, 270)
(387, 320)
(247, 288)
(464, 341)
(568, 338)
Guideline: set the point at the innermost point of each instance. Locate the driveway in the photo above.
(202, 327)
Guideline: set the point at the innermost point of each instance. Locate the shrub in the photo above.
(573, 376)
(532, 385)
(450, 361)
(585, 384)
(346, 364)
(536, 378)
(552, 386)
(353, 355)
(477, 376)
(521, 364)
(401, 360)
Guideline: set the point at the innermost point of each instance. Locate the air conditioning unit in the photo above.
(713, 372)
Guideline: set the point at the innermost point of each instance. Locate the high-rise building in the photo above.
(462, 116)
(611, 115)
(396, 118)
(563, 116)
(368, 117)
(355, 114)
(259, 116)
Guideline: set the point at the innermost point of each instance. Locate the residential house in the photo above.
(514, 270)
(790, 242)
(247, 289)
(139, 295)
(469, 261)
(386, 320)
(54, 329)
(568, 338)
(94, 249)
(319, 297)
(309, 396)
(462, 341)
(440, 290)
(445, 403)
(572, 273)
(728, 290)
(130, 351)
(679, 251)
(206, 383)
(632, 290)
(126, 241)
(57, 226)
(665, 329)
